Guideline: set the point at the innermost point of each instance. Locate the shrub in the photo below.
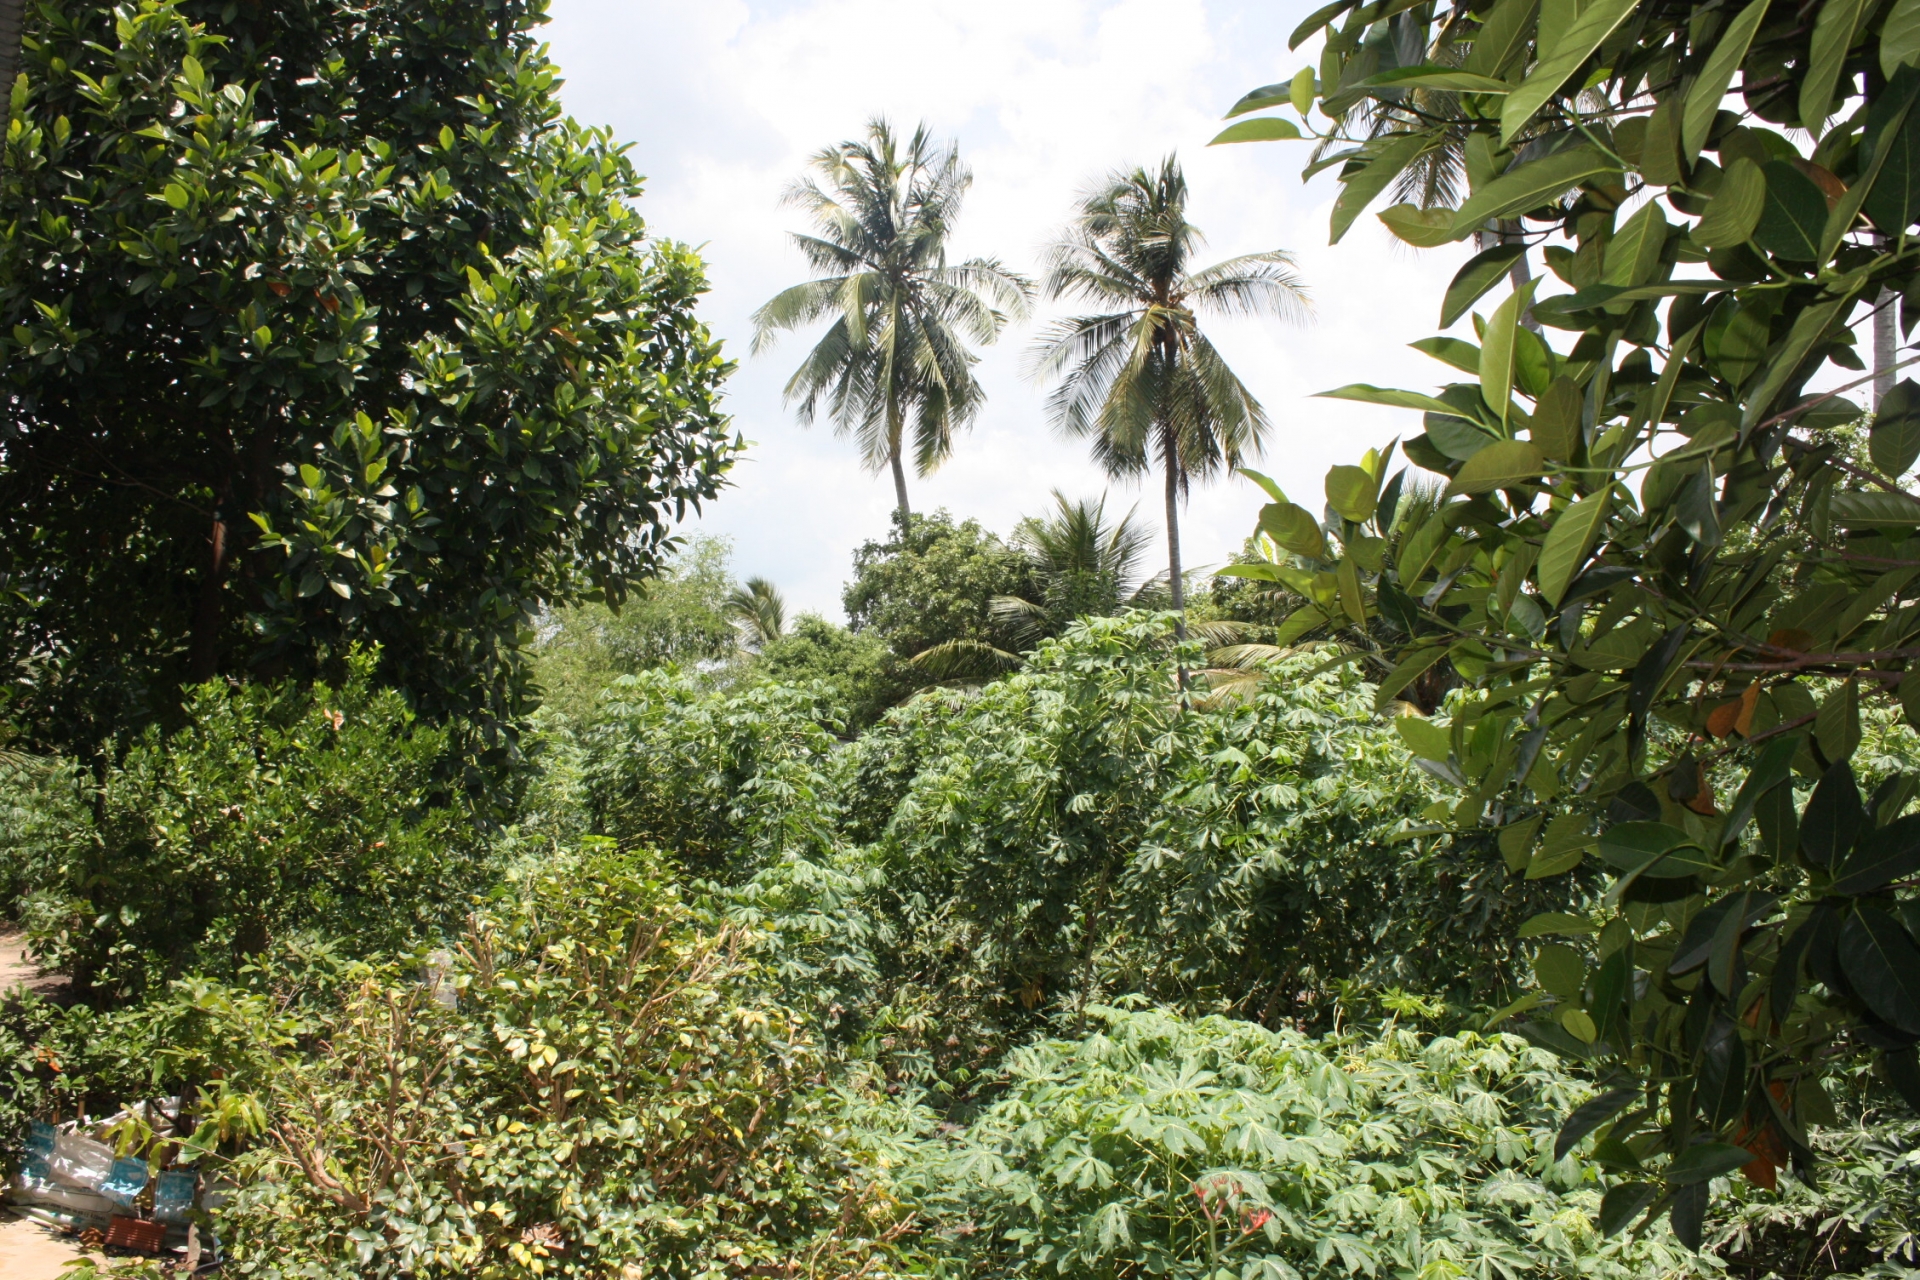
(277, 812)
(613, 1083)
(1179, 1147)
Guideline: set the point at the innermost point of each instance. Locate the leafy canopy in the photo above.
(323, 328)
(1671, 590)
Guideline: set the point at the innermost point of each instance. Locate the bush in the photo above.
(613, 1083)
(1194, 1148)
(277, 813)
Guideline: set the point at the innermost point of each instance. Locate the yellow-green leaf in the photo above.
(1501, 465)
(1900, 37)
(1595, 23)
(1735, 209)
(1499, 350)
(1421, 228)
(1264, 129)
(1352, 492)
(1703, 100)
(1293, 528)
(1568, 542)
(1531, 185)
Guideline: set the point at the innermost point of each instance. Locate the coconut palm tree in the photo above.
(1138, 378)
(1078, 565)
(896, 352)
(760, 613)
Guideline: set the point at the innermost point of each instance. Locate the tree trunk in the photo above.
(900, 485)
(203, 652)
(1175, 585)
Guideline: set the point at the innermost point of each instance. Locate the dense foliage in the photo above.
(322, 328)
(277, 814)
(1655, 665)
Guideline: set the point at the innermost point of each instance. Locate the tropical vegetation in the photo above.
(1505, 873)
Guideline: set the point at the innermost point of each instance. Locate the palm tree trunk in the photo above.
(900, 485)
(1175, 585)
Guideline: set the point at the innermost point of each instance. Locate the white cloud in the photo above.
(723, 101)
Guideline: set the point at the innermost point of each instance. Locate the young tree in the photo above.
(896, 350)
(1139, 379)
(1673, 590)
(323, 327)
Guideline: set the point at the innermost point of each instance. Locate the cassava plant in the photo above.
(1669, 575)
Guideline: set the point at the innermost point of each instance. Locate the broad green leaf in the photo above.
(1409, 669)
(1900, 37)
(1590, 1116)
(1264, 129)
(1810, 328)
(1421, 228)
(1894, 441)
(1359, 191)
(1623, 1203)
(1352, 599)
(1834, 817)
(1352, 492)
(1424, 738)
(1734, 212)
(1516, 841)
(1256, 572)
(1300, 91)
(1499, 351)
(1557, 923)
(1881, 857)
(1502, 39)
(1595, 23)
(1706, 1161)
(176, 195)
(1471, 283)
(1462, 355)
(1504, 464)
(1833, 34)
(1883, 965)
(1316, 20)
(1294, 528)
(1267, 95)
(1633, 255)
(1395, 399)
(1555, 426)
(1794, 216)
(1560, 970)
(1703, 99)
(1298, 623)
(1875, 509)
(1888, 191)
(1568, 543)
(1431, 77)
(1533, 184)
(1629, 846)
(1266, 483)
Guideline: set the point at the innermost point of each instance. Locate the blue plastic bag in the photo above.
(127, 1179)
(173, 1196)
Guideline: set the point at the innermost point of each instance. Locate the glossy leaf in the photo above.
(1880, 857)
(1710, 86)
(1883, 965)
(1472, 282)
(1557, 65)
(1568, 544)
(1501, 465)
(1263, 129)
(1535, 183)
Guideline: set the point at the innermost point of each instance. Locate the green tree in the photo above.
(864, 674)
(1674, 596)
(323, 328)
(759, 612)
(895, 357)
(679, 617)
(1140, 379)
(1078, 565)
(932, 581)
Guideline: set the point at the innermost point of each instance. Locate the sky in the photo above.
(723, 101)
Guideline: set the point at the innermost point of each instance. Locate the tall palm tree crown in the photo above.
(895, 357)
(1138, 378)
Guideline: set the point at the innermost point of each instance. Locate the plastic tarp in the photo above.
(125, 1181)
(173, 1196)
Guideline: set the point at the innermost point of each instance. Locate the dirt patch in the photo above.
(30, 1251)
(17, 969)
